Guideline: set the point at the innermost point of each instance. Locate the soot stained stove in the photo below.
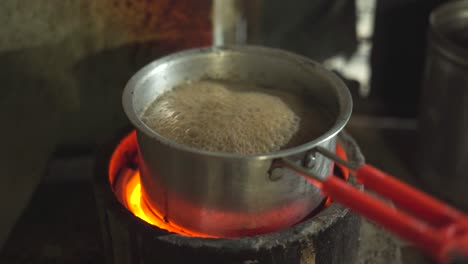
(132, 233)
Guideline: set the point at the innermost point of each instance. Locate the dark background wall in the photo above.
(64, 63)
(398, 54)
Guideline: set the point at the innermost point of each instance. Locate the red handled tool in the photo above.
(437, 228)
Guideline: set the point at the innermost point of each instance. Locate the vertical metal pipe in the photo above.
(229, 23)
(236, 21)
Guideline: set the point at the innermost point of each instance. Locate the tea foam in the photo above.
(233, 118)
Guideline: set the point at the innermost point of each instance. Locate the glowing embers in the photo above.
(124, 177)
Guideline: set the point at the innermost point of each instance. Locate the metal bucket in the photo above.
(443, 146)
(225, 194)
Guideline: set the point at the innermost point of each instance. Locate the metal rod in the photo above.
(337, 159)
(301, 170)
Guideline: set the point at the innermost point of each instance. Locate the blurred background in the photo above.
(64, 64)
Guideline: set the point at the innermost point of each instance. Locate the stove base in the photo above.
(331, 236)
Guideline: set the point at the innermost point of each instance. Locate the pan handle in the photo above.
(434, 226)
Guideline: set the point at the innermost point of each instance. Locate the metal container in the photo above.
(225, 194)
(443, 148)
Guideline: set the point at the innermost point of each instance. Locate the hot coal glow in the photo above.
(124, 178)
(137, 206)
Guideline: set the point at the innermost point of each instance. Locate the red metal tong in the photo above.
(437, 228)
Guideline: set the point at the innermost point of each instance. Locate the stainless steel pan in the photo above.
(226, 194)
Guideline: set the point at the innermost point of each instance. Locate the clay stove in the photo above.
(132, 233)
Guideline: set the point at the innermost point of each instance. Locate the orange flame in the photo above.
(129, 191)
(137, 206)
